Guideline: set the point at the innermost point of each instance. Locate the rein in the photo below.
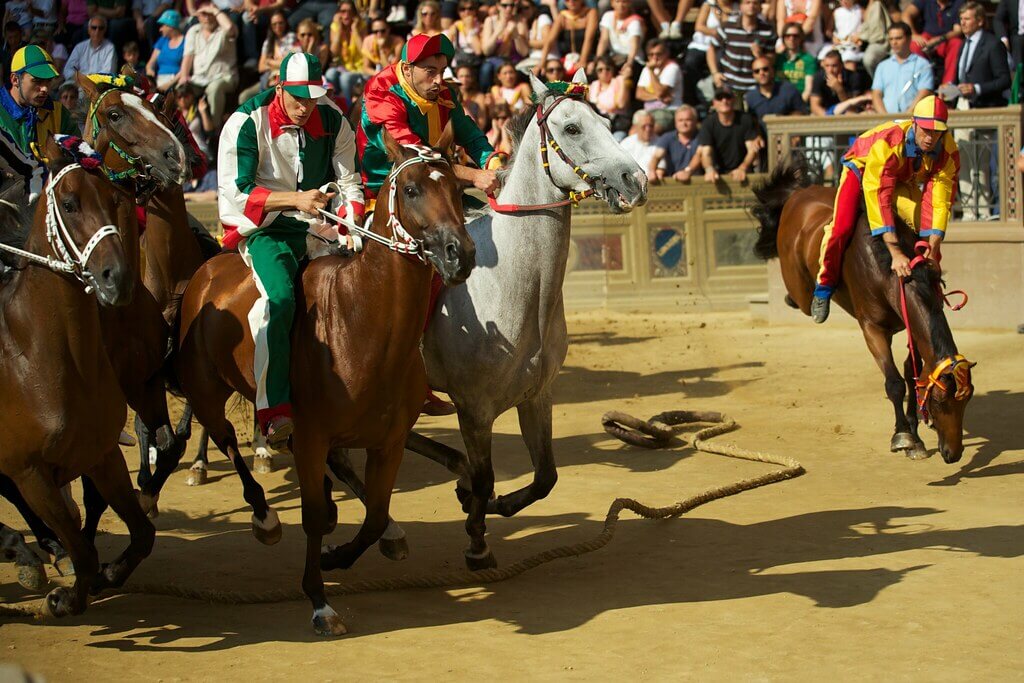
(72, 260)
(547, 140)
(402, 242)
(957, 364)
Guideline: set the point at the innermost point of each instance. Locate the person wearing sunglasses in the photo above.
(381, 49)
(554, 70)
(95, 55)
(660, 86)
(346, 48)
(779, 98)
(428, 19)
(729, 140)
(794, 64)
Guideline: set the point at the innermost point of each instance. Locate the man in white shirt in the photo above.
(95, 55)
(210, 58)
(660, 86)
(640, 145)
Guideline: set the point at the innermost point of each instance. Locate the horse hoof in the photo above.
(267, 532)
(59, 602)
(918, 452)
(477, 563)
(64, 566)
(394, 548)
(196, 476)
(263, 464)
(901, 441)
(326, 622)
(32, 577)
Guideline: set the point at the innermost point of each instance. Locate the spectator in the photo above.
(846, 20)
(622, 34)
(280, 43)
(554, 70)
(428, 19)
(742, 38)
(872, 38)
(44, 14)
(671, 27)
(803, 13)
(196, 113)
(346, 49)
(120, 22)
(660, 86)
(209, 60)
(320, 11)
(712, 14)
(72, 17)
(677, 155)
(1010, 28)
(13, 41)
(131, 56)
(311, 42)
(95, 55)
(573, 33)
(255, 25)
(164, 63)
(466, 33)
(836, 90)
(770, 96)
(509, 90)
(939, 35)
(498, 134)
(43, 37)
(540, 24)
(904, 78)
(795, 65)
(380, 48)
(146, 14)
(68, 96)
(728, 140)
(611, 93)
(20, 13)
(505, 39)
(640, 145)
(476, 102)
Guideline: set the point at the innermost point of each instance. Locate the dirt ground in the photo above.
(868, 566)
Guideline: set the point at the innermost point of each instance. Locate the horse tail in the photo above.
(788, 176)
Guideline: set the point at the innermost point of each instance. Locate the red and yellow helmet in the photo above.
(931, 113)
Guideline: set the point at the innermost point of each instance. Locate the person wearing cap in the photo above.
(412, 102)
(279, 153)
(168, 53)
(905, 168)
(28, 115)
(95, 54)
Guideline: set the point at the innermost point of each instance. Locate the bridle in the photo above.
(547, 141)
(401, 242)
(956, 365)
(71, 260)
(137, 171)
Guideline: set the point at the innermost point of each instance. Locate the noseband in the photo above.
(72, 260)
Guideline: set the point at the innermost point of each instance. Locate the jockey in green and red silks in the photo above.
(413, 103)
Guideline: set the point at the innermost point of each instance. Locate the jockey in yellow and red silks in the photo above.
(906, 168)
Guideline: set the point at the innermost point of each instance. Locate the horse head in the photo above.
(134, 131)
(942, 395)
(586, 156)
(84, 212)
(425, 200)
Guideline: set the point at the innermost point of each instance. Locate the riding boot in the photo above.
(820, 308)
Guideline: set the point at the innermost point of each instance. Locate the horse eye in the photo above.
(573, 129)
(411, 191)
(114, 116)
(69, 206)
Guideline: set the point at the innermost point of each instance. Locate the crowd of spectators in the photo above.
(685, 85)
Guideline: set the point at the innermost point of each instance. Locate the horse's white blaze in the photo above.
(134, 102)
(436, 176)
(271, 522)
(393, 532)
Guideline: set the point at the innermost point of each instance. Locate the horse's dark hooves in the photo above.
(196, 476)
(902, 441)
(396, 549)
(32, 577)
(327, 623)
(789, 302)
(918, 452)
(267, 532)
(59, 602)
(477, 563)
(263, 464)
(64, 566)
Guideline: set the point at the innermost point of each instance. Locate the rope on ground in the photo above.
(659, 434)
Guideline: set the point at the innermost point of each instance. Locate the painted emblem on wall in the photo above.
(668, 251)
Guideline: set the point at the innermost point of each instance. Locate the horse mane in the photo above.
(788, 176)
(15, 223)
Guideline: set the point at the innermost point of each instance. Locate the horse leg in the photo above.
(879, 343)
(311, 469)
(392, 543)
(197, 473)
(31, 573)
(266, 526)
(263, 459)
(150, 406)
(535, 425)
(45, 536)
(113, 483)
(142, 436)
(43, 496)
(381, 470)
(95, 506)
(918, 451)
(477, 436)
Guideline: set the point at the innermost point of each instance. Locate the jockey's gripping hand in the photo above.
(311, 201)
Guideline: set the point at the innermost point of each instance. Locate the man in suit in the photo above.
(982, 76)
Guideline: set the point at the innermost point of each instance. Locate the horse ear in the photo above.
(540, 89)
(580, 77)
(129, 71)
(56, 156)
(444, 145)
(395, 151)
(87, 85)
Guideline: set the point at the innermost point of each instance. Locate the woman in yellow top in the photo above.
(346, 50)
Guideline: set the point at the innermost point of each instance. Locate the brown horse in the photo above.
(357, 374)
(63, 405)
(792, 217)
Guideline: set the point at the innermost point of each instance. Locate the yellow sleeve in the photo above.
(939, 193)
(879, 184)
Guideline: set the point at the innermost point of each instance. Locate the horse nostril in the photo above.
(107, 275)
(171, 154)
(630, 182)
(451, 251)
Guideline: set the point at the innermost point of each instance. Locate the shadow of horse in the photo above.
(578, 384)
(993, 418)
(684, 560)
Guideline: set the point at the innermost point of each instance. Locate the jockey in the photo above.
(911, 167)
(284, 155)
(28, 115)
(412, 102)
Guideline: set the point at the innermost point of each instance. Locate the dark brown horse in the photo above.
(357, 374)
(792, 217)
(63, 405)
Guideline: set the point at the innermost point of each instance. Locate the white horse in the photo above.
(499, 341)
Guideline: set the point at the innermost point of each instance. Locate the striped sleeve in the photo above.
(938, 195)
(239, 200)
(879, 183)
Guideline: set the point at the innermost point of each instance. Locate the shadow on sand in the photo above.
(994, 417)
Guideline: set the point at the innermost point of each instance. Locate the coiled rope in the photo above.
(658, 432)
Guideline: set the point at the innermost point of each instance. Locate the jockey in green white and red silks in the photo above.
(415, 107)
(279, 154)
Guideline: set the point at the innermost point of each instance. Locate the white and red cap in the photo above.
(301, 76)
